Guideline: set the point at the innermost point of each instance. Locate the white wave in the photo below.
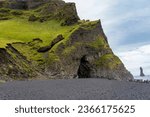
(144, 78)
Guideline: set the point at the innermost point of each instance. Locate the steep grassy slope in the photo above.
(22, 21)
(21, 30)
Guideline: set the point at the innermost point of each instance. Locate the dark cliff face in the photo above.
(14, 67)
(87, 54)
(82, 52)
(46, 10)
(31, 4)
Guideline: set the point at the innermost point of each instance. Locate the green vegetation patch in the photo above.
(69, 50)
(21, 30)
(88, 25)
(30, 52)
(4, 10)
(52, 58)
(109, 61)
(19, 64)
(6, 14)
(16, 12)
(98, 43)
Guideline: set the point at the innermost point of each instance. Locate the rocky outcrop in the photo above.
(141, 72)
(14, 65)
(2, 3)
(90, 42)
(47, 9)
(30, 4)
(17, 4)
(82, 52)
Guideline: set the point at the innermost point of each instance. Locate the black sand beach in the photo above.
(77, 89)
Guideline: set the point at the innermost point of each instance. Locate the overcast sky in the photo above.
(127, 26)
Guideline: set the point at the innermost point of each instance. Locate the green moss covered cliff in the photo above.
(46, 39)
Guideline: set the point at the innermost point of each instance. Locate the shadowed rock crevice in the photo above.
(85, 68)
(4, 56)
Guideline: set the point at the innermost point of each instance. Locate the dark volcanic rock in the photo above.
(17, 4)
(141, 72)
(51, 9)
(57, 39)
(44, 49)
(68, 13)
(36, 3)
(2, 3)
(25, 4)
(85, 68)
(4, 56)
(88, 40)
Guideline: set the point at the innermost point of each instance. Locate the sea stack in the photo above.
(141, 72)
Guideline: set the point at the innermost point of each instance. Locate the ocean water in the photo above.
(144, 78)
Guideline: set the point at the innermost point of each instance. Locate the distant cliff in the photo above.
(48, 40)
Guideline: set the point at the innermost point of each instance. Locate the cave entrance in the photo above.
(84, 70)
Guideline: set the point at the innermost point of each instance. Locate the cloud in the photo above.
(133, 59)
(93, 9)
(123, 21)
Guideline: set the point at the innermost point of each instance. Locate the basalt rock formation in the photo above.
(141, 72)
(67, 48)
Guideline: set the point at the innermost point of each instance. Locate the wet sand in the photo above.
(75, 89)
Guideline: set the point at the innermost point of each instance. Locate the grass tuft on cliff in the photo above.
(109, 61)
(21, 30)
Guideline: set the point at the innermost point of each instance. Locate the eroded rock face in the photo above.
(83, 52)
(13, 67)
(87, 54)
(85, 68)
(17, 4)
(25, 4)
(2, 2)
(36, 3)
(141, 72)
(3, 56)
(32, 4)
(47, 9)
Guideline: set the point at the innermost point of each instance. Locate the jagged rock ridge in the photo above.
(45, 9)
(83, 51)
